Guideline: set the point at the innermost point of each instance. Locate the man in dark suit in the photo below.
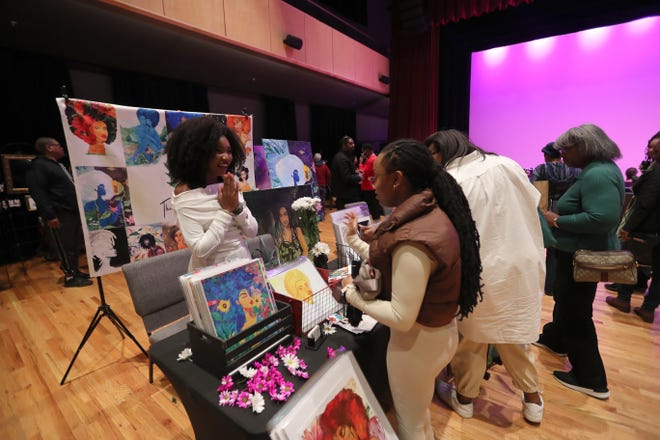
(345, 176)
(52, 188)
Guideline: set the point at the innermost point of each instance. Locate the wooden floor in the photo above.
(107, 394)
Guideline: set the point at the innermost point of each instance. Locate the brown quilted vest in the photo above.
(419, 220)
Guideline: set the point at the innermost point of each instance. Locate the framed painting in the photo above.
(14, 168)
(337, 398)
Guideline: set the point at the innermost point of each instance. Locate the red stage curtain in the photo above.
(414, 67)
(448, 11)
(414, 87)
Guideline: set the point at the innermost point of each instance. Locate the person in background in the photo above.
(504, 207)
(427, 252)
(345, 176)
(587, 217)
(323, 178)
(644, 217)
(559, 176)
(213, 218)
(631, 178)
(51, 186)
(368, 192)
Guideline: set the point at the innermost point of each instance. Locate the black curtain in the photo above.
(142, 90)
(328, 125)
(279, 119)
(539, 19)
(33, 82)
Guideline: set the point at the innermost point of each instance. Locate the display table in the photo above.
(197, 389)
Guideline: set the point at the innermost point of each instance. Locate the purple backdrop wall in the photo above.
(525, 95)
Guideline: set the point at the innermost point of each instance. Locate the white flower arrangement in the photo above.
(305, 203)
(320, 248)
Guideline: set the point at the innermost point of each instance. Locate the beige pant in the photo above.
(469, 366)
(414, 359)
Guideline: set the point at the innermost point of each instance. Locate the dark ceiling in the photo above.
(100, 35)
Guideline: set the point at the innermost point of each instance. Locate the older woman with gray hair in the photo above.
(587, 217)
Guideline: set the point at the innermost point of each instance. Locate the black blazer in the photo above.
(645, 215)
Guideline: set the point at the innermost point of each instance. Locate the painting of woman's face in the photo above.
(284, 216)
(245, 300)
(99, 131)
(302, 289)
(345, 432)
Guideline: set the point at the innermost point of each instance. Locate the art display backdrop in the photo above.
(118, 166)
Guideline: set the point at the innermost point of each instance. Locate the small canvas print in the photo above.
(286, 168)
(299, 280)
(238, 298)
(337, 403)
(272, 209)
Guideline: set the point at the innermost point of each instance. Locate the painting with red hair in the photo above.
(345, 417)
(242, 126)
(93, 122)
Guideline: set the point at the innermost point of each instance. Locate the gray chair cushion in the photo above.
(154, 287)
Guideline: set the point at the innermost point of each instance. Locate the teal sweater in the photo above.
(589, 211)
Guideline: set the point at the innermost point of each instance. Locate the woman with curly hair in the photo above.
(427, 252)
(504, 207)
(213, 218)
(93, 122)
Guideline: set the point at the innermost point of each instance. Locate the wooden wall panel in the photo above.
(208, 15)
(285, 19)
(154, 6)
(343, 56)
(318, 40)
(368, 64)
(247, 22)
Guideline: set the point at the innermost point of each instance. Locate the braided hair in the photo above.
(191, 146)
(415, 161)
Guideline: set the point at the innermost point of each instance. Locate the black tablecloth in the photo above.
(197, 388)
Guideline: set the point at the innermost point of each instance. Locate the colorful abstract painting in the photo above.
(290, 163)
(238, 298)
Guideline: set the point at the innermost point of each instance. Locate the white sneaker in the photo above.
(532, 412)
(447, 393)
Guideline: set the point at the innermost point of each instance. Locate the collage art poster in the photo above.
(117, 156)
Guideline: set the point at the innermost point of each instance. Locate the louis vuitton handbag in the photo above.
(609, 266)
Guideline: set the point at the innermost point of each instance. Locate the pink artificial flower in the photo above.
(226, 383)
(331, 353)
(225, 398)
(244, 399)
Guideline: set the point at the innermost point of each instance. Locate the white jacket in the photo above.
(212, 234)
(504, 207)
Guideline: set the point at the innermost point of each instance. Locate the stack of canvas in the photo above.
(228, 298)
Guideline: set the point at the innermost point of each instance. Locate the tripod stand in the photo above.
(103, 310)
